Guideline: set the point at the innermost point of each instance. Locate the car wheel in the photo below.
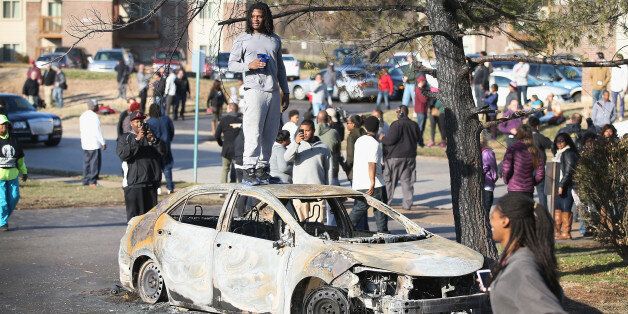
(150, 283)
(577, 97)
(326, 299)
(344, 96)
(298, 93)
(53, 142)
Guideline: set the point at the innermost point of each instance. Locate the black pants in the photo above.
(91, 166)
(437, 121)
(143, 96)
(182, 100)
(139, 200)
(487, 200)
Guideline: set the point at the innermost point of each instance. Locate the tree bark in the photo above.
(462, 132)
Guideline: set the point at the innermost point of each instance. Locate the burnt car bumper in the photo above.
(478, 302)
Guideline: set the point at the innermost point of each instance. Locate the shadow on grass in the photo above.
(573, 306)
(582, 249)
(595, 269)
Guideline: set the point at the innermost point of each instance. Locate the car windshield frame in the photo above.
(563, 71)
(114, 54)
(17, 104)
(161, 55)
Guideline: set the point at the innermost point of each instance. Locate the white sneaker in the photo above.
(169, 191)
(158, 191)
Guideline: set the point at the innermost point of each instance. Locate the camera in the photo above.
(146, 130)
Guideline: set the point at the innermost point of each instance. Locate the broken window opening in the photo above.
(255, 218)
(200, 210)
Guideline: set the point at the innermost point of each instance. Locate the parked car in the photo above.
(250, 252)
(56, 60)
(352, 83)
(28, 125)
(77, 54)
(106, 60)
(162, 56)
(535, 87)
(564, 76)
(221, 68)
(292, 65)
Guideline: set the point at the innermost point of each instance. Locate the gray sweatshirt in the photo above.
(278, 166)
(603, 113)
(245, 50)
(519, 288)
(312, 162)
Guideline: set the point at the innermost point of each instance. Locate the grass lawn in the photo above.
(593, 275)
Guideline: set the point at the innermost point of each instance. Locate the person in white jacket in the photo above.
(91, 142)
(520, 71)
(619, 86)
(171, 92)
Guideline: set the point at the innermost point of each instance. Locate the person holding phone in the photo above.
(525, 279)
(257, 55)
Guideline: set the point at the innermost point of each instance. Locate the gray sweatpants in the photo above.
(404, 170)
(260, 124)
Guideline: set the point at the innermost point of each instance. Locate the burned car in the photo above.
(233, 248)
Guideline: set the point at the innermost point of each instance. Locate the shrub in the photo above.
(602, 184)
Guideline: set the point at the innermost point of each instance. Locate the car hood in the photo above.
(26, 115)
(431, 257)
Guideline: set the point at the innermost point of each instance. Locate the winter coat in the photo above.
(49, 78)
(30, 88)
(420, 101)
(163, 129)
(183, 87)
(506, 126)
(385, 84)
(312, 162)
(279, 168)
(599, 77)
(350, 149)
(143, 160)
(518, 169)
(402, 138)
(226, 132)
(489, 168)
(568, 163)
(122, 72)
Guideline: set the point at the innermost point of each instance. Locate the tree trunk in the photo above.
(462, 131)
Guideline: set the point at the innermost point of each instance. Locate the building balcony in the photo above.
(141, 30)
(50, 27)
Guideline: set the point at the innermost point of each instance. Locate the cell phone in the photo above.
(301, 132)
(484, 278)
(263, 57)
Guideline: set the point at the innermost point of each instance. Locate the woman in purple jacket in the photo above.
(489, 169)
(523, 168)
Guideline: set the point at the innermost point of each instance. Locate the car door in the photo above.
(183, 247)
(249, 269)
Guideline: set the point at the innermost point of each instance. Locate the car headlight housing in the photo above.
(19, 125)
(56, 122)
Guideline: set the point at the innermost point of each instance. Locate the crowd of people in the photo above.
(53, 82)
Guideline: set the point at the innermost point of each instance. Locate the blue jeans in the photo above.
(614, 96)
(596, 94)
(316, 108)
(540, 192)
(10, 191)
(523, 90)
(359, 214)
(57, 94)
(408, 94)
(168, 175)
(381, 94)
(420, 119)
(548, 116)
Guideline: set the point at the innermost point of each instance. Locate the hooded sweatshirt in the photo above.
(278, 166)
(312, 162)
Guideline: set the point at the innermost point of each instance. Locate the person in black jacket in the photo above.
(143, 153)
(183, 92)
(31, 89)
(400, 144)
(159, 86)
(227, 131)
(48, 81)
(542, 143)
(567, 156)
(122, 77)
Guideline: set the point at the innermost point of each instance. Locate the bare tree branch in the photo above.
(307, 9)
(554, 61)
(515, 115)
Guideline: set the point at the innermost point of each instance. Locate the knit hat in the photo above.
(136, 115)
(4, 119)
(331, 112)
(134, 106)
(371, 124)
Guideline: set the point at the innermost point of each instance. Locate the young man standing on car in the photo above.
(257, 54)
(11, 166)
(142, 152)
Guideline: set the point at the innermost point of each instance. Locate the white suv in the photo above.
(293, 66)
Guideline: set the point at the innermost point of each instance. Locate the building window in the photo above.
(10, 52)
(11, 9)
(206, 12)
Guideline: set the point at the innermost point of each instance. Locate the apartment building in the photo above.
(32, 27)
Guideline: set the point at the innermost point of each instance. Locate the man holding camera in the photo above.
(257, 55)
(142, 152)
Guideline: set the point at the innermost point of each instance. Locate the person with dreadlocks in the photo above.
(525, 279)
(257, 55)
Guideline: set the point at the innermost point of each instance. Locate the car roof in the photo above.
(282, 190)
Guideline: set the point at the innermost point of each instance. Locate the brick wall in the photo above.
(84, 11)
(589, 52)
(32, 14)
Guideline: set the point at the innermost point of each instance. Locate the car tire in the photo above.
(326, 299)
(150, 283)
(344, 96)
(298, 93)
(53, 142)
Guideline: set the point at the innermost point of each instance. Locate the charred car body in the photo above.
(250, 251)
